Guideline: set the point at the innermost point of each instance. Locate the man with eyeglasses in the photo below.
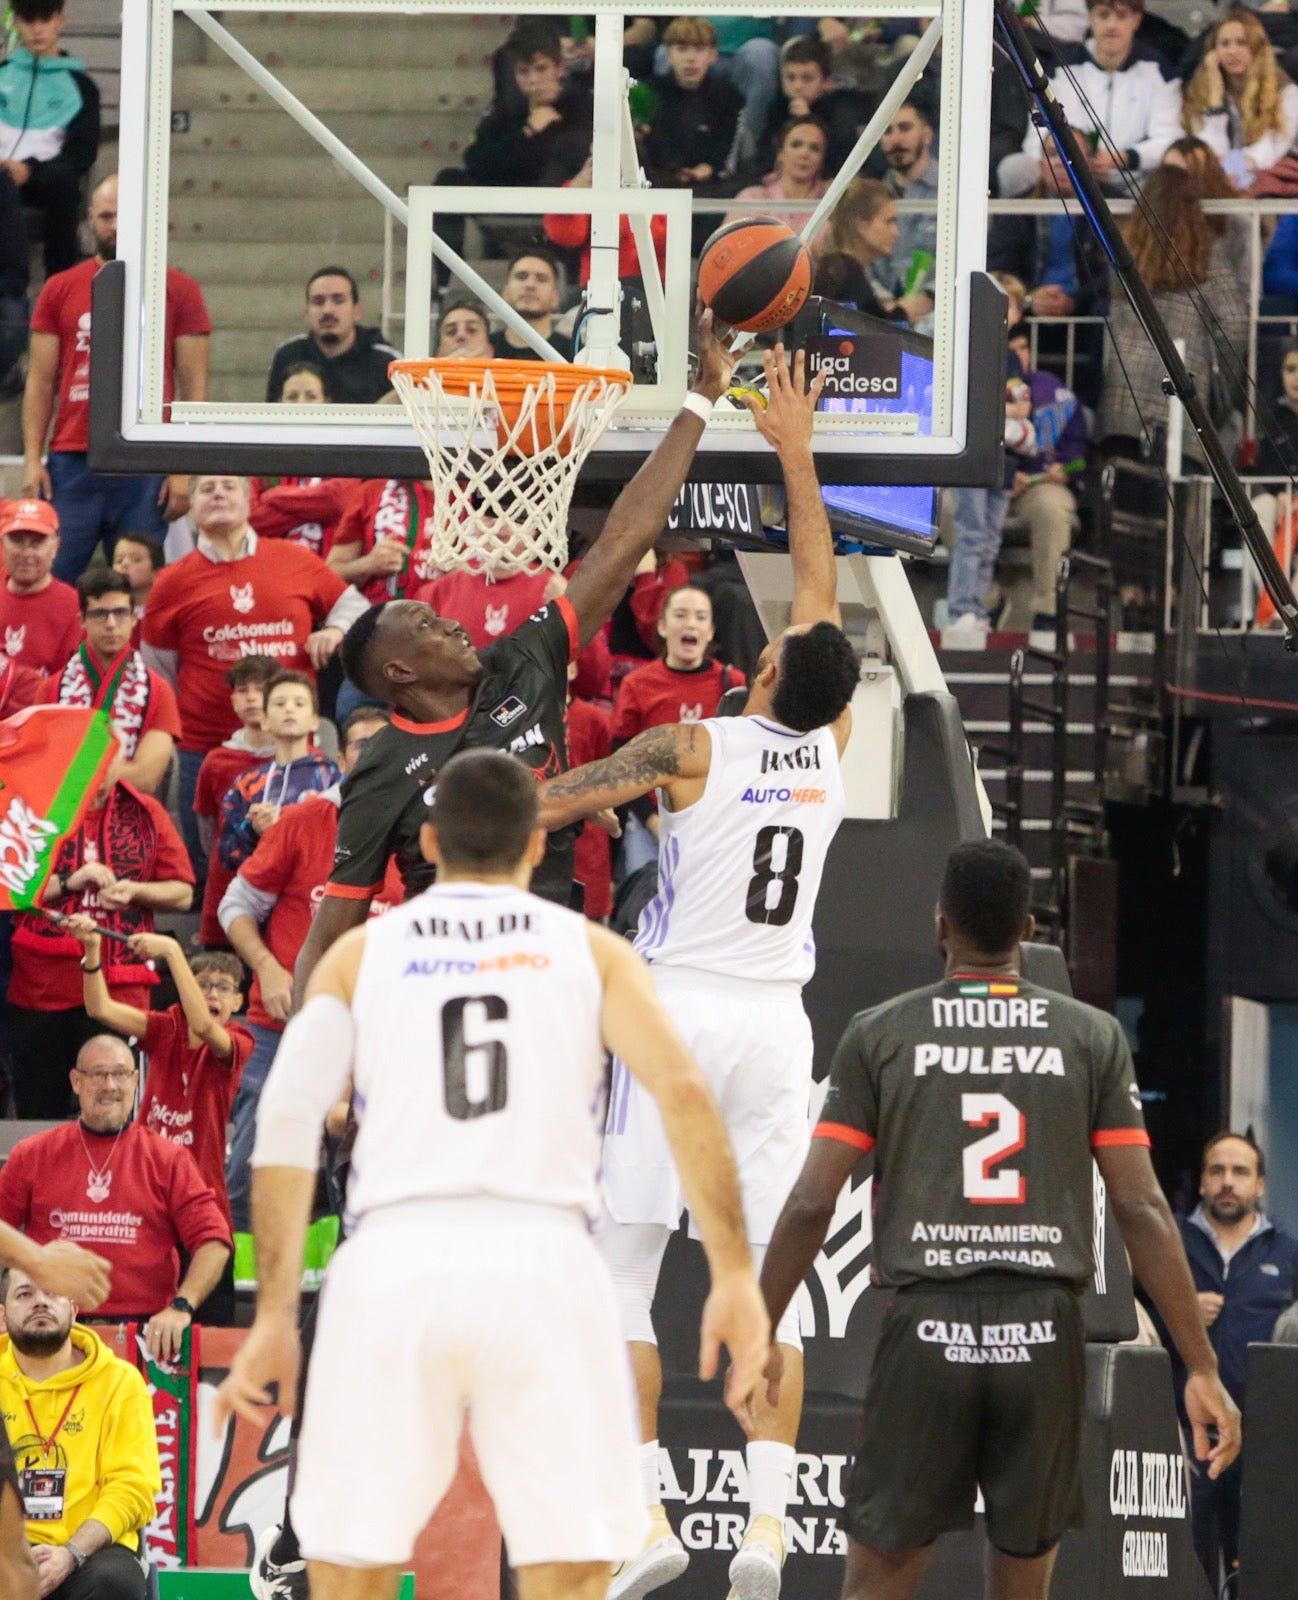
(107, 673)
(113, 1186)
(38, 612)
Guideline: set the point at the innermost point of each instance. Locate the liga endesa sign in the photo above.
(857, 366)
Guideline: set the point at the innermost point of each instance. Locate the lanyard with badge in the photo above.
(43, 1486)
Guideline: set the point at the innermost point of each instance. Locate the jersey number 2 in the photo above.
(488, 1061)
(981, 1185)
(765, 873)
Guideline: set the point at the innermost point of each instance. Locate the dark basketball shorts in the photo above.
(976, 1384)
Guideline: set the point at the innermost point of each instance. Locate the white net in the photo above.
(503, 506)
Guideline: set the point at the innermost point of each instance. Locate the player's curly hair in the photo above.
(355, 650)
(987, 894)
(818, 677)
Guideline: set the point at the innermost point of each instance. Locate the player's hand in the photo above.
(735, 1315)
(1210, 1304)
(321, 645)
(65, 1269)
(608, 820)
(164, 1333)
(788, 417)
(269, 1355)
(715, 362)
(1207, 1405)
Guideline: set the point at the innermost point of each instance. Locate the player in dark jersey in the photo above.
(983, 1099)
(77, 1275)
(512, 696)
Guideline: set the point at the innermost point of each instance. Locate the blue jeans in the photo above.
(979, 523)
(243, 1118)
(95, 509)
(189, 763)
(754, 69)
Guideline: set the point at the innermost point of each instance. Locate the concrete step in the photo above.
(224, 129)
(270, 177)
(316, 39)
(347, 218)
(417, 91)
(268, 305)
(211, 261)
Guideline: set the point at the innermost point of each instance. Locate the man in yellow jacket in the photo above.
(80, 1423)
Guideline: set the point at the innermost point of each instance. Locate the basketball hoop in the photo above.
(505, 506)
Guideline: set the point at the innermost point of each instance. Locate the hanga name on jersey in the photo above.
(980, 1061)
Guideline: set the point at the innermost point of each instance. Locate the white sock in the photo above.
(649, 1474)
(770, 1476)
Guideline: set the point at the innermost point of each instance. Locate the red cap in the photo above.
(32, 516)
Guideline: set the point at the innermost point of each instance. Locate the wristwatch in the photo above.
(181, 1304)
(78, 1555)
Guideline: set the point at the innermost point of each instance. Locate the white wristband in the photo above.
(699, 404)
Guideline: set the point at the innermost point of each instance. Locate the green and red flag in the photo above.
(52, 762)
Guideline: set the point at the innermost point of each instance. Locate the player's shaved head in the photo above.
(402, 645)
(818, 674)
(986, 896)
(484, 812)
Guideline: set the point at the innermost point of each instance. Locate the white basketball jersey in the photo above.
(739, 871)
(479, 1066)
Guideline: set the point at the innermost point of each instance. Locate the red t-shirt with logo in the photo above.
(41, 630)
(390, 508)
(488, 610)
(656, 694)
(590, 739)
(188, 1092)
(303, 510)
(63, 309)
(217, 774)
(150, 1203)
(267, 603)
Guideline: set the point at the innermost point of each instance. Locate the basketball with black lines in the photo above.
(755, 274)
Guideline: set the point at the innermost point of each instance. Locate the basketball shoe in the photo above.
(755, 1571)
(268, 1580)
(662, 1559)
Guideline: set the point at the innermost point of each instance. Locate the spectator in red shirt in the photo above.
(139, 557)
(250, 746)
(590, 739)
(123, 863)
(235, 595)
(381, 542)
(40, 615)
(108, 673)
(489, 607)
(633, 627)
(114, 1186)
(92, 506)
(685, 684)
(266, 913)
(302, 510)
(195, 1054)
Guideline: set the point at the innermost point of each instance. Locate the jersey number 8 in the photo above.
(784, 845)
(486, 1063)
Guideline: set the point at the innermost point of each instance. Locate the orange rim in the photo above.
(511, 377)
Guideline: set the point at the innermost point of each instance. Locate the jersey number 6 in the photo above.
(771, 843)
(981, 1186)
(488, 1061)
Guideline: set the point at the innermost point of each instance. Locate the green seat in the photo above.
(222, 1583)
(321, 1242)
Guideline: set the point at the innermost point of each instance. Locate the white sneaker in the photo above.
(965, 632)
(663, 1558)
(755, 1571)
(271, 1582)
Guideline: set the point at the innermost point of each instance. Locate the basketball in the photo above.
(755, 274)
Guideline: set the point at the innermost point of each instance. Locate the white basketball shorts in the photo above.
(753, 1043)
(489, 1308)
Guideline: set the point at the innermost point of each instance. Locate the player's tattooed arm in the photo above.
(658, 758)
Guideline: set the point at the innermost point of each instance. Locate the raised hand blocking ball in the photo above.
(755, 273)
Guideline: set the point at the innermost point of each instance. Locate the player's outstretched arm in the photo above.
(640, 512)
(786, 423)
(667, 757)
(310, 1074)
(1157, 1254)
(641, 1034)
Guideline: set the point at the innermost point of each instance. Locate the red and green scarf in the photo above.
(122, 690)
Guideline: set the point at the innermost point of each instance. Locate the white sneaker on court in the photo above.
(755, 1571)
(663, 1558)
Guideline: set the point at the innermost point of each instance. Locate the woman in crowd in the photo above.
(862, 235)
(1209, 182)
(304, 511)
(1174, 253)
(799, 174)
(1239, 102)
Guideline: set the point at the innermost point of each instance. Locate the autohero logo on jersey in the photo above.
(856, 366)
(713, 1487)
(995, 1344)
(804, 758)
(1146, 1483)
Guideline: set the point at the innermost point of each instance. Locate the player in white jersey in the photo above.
(748, 807)
(473, 1022)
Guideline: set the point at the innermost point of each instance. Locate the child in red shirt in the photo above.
(195, 1053)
